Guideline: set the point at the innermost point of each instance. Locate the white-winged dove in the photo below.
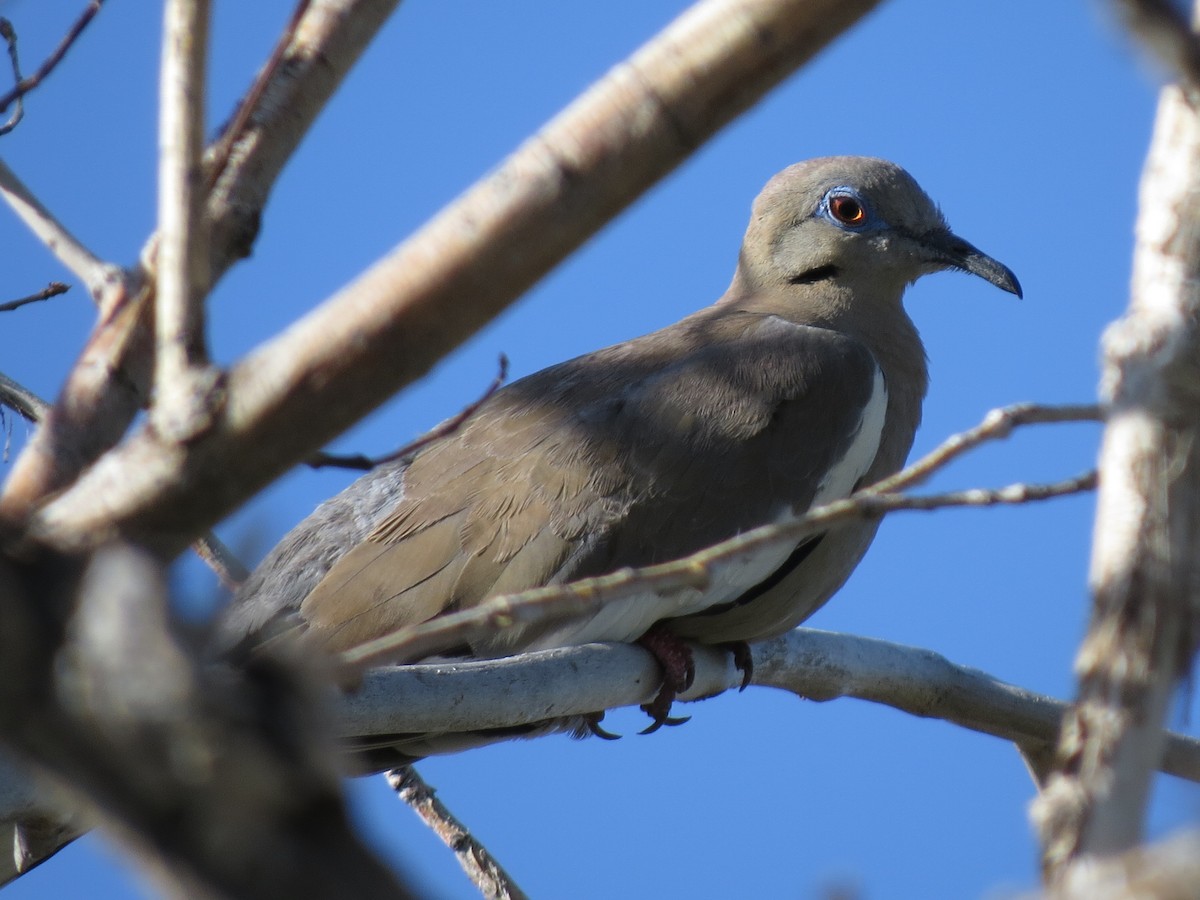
(801, 383)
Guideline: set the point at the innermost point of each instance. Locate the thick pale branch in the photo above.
(227, 567)
(217, 156)
(184, 382)
(816, 665)
(321, 44)
(1166, 870)
(392, 324)
(1144, 571)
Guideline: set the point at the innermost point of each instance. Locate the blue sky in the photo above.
(1027, 121)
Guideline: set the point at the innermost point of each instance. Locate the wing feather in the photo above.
(640, 453)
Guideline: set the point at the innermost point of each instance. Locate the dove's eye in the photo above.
(845, 207)
(847, 210)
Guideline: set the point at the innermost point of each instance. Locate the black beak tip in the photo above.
(1008, 282)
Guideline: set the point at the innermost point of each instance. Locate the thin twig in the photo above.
(25, 85)
(230, 570)
(446, 428)
(1142, 634)
(10, 38)
(95, 274)
(580, 597)
(480, 866)
(996, 425)
(53, 289)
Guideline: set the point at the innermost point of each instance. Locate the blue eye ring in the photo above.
(843, 206)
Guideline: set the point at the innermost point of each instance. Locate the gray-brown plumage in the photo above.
(802, 382)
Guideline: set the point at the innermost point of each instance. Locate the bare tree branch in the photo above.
(109, 382)
(461, 697)
(218, 778)
(25, 85)
(321, 43)
(218, 154)
(1166, 870)
(9, 34)
(585, 596)
(817, 665)
(95, 405)
(1145, 574)
(91, 409)
(477, 862)
(95, 274)
(26, 402)
(227, 567)
(53, 289)
(996, 425)
(185, 382)
(230, 570)
(1163, 29)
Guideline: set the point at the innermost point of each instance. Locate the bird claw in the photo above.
(659, 709)
(658, 723)
(743, 660)
(679, 671)
(593, 725)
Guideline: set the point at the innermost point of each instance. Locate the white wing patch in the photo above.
(840, 480)
(629, 619)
